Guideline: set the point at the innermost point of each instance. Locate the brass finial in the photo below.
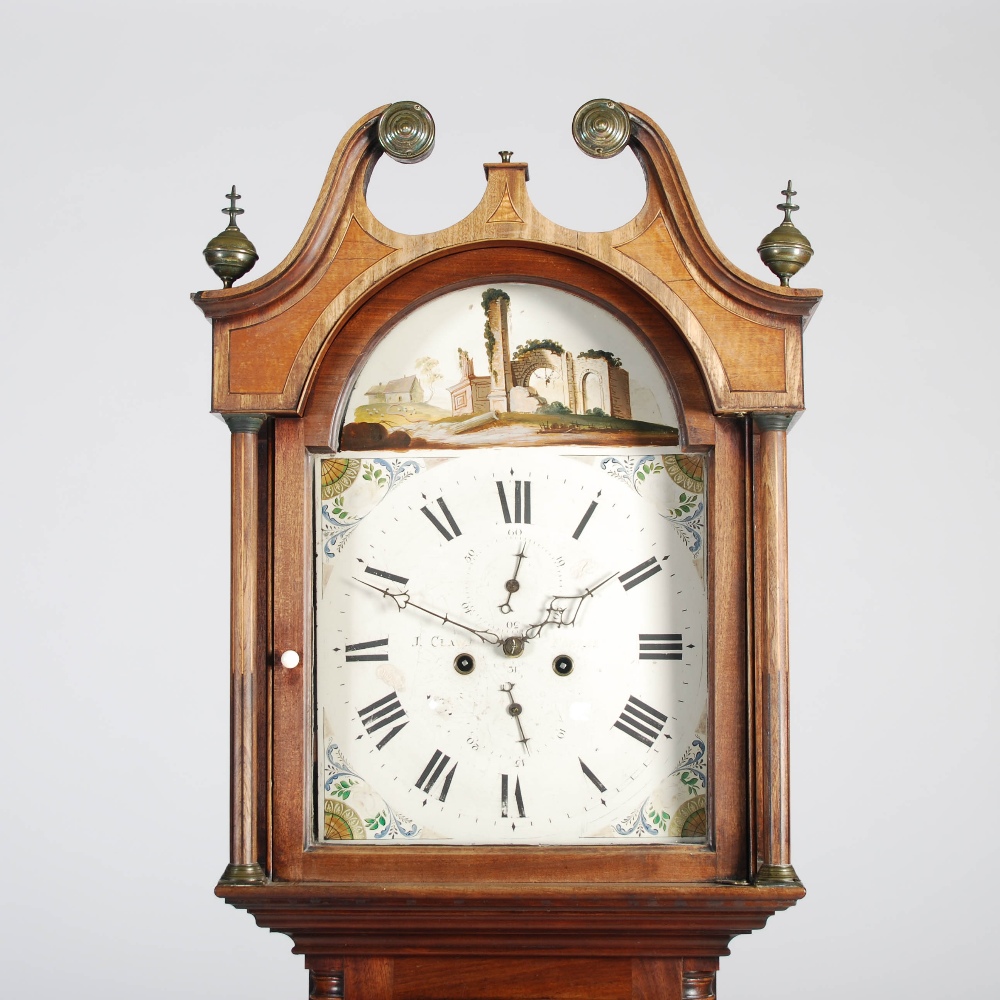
(230, 254)
(785, 250)
(505, 155)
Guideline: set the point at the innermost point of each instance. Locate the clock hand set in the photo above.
(512, 586)
(512, 645)
(403, 600)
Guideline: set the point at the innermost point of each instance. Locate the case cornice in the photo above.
(270, 334)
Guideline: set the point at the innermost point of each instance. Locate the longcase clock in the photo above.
(509, 585)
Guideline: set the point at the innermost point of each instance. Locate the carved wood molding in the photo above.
(536, 920)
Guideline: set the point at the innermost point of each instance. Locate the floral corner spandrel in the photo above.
(353, 810)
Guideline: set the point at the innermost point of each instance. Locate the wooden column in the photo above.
(770, 585)
(245, 653)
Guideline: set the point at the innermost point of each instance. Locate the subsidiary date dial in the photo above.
(510, 648)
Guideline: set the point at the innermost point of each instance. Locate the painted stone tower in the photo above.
(497, 306)
(537, 374)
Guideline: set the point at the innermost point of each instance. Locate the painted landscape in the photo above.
(550, 365)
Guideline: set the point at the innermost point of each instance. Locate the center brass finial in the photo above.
(233, 211)
(505, 155)
(788, 207)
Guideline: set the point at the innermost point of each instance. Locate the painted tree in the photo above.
(427, 369)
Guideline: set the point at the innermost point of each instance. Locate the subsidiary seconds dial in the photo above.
(510, 648)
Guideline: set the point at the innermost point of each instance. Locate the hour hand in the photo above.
(566, 614)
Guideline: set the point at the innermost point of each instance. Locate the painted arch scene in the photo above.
(506, 365)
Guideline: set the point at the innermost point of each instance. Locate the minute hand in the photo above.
(556, 616)
(403, 600)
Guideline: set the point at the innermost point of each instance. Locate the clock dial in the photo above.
(510, 648)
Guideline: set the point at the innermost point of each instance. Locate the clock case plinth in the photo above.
(636, 921)
(544, 940)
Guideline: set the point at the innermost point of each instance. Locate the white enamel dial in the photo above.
(510, 648)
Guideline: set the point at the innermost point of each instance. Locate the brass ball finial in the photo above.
(601, 128)
(230, 254)
(785, 251)
(406, 132)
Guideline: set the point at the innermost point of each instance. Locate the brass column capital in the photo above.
(244, 423)
(772, 421)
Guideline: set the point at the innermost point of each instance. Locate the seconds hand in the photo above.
(514, 711)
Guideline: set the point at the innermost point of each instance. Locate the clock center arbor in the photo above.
(509, 585)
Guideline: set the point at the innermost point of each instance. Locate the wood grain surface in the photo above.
(392, 922)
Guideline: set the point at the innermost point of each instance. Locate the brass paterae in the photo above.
(601, 128)
(785, 250)
(406, 131)
(230, 254)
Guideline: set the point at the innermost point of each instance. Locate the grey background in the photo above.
(124, 124)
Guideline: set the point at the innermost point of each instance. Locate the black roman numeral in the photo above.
(354, 656)
(637, 574)
(448, 536)
(522, 502)
(660, 647)
(382, 713)
(641, 721)
(593, 777)
(382, 574)
(434, 769)
(518, 801)
(586, 517)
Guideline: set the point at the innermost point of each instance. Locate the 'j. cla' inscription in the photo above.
(434, 641)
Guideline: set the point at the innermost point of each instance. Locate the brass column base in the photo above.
(776, 875)
(251, 874)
